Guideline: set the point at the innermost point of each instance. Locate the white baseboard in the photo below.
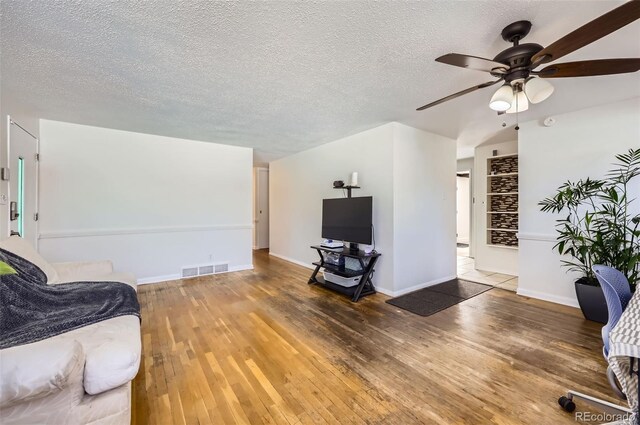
(170, 277)
(291, 260)
(571, 302)
(418, 286)
(241, 268)
(384, 291)
(158, 279)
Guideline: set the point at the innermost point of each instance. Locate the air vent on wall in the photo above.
(208, 269)
(189, 271)
(221, 267)
(204, 269)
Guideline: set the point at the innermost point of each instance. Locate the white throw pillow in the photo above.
(22, 248)
(34, 370)
(113, 350)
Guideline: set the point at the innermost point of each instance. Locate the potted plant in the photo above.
(600, 227)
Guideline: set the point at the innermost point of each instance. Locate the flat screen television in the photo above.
(348, 219)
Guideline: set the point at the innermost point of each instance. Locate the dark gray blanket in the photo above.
(31, 310)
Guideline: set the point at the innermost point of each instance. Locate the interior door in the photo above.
(23, 182)
(262, 213)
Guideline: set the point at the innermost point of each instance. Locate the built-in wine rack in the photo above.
(502, 201)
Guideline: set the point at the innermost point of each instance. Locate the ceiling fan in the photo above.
(516, 65)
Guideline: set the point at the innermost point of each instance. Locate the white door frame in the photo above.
(10, 122)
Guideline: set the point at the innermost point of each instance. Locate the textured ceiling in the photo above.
(284, 76)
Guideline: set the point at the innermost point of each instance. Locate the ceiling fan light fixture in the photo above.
(520, 103)
(537, 89)
(502, 98)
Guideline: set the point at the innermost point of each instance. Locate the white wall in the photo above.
(424, 209)
(411, 176)
(581, 144)
(149, 203)
(299, 183)
(490, 258)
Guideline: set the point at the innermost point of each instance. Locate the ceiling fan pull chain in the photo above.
(517, 114)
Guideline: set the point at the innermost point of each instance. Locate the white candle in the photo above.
(354, 179)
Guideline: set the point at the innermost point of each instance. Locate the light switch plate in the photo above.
(3, 199)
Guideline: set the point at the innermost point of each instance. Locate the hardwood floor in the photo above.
(263, 347)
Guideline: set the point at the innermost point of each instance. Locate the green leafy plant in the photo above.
(600, 226)
(6, 269)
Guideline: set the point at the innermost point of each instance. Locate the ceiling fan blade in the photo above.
(590, 68)
(473, 62)
(460, 93)
(588, 33)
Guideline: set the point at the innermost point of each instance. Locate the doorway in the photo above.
(463, 213)
(22, 151)
(261, 208)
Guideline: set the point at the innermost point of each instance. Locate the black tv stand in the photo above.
(353, 247)
(367, 263)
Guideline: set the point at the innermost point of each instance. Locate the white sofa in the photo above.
(79, 377)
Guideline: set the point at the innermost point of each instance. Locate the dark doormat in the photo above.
(432, 299)
(463, 245)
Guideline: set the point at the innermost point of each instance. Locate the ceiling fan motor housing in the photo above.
(518, 60)
(518, 57)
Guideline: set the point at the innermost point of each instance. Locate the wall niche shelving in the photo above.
(502, 201)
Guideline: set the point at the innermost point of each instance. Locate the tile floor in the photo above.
(468, 271)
